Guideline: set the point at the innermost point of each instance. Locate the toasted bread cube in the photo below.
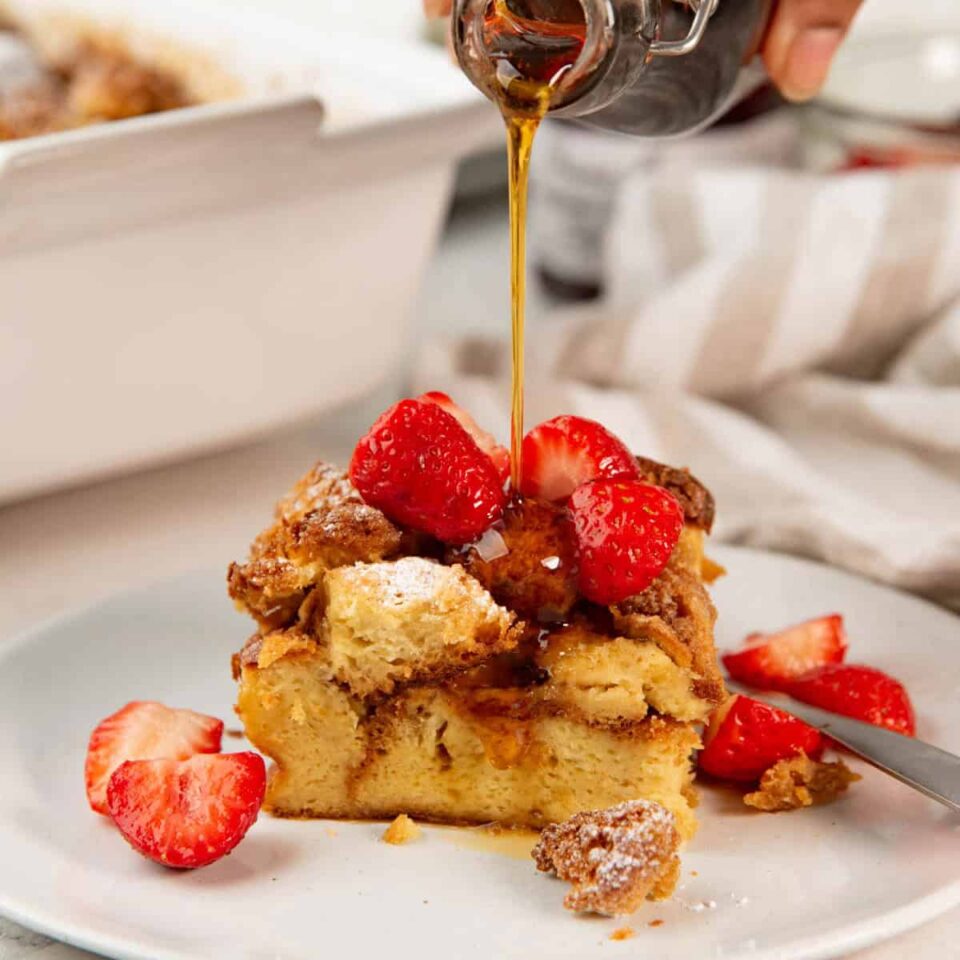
(614, 858)
(321, 525)
(388, 624)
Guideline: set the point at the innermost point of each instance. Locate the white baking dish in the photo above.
(179, 281)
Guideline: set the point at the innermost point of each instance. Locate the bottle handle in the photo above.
(703, 11)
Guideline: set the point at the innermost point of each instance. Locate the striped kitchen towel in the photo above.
(794, 338)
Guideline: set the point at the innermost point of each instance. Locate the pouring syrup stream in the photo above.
(530, 54)
(520, 134)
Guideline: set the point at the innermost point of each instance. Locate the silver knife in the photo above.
(920, 765)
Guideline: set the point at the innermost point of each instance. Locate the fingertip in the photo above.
(807, 63)
(437, 8)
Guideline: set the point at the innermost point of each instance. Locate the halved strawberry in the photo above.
(626, 531)
(487, 442)
(771, 661)
(745, 738)
(561, 454)
(144, 730)
(187, 813)
(423, 469)
(859, 692)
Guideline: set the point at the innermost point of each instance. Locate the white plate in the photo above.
(813, 884)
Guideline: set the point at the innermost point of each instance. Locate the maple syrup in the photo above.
(520, 134)
(650, 68)
(500, 719)
(514, 842)
(531, 45)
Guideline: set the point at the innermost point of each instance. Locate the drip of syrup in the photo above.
(531, 50)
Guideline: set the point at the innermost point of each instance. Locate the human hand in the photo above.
(803, 37)
(801, 42)
(437, 8)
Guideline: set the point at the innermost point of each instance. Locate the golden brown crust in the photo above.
(284, 644)
(676, 613)
(96, 83)
(346, 533)
(699, 507)
(269, 589)
(800, 782)
(262, 651)
(108, 84)
(32, 111)
(615, 859)
(537, 574)
(250, 653)
(611, 679)
(321, 525)
(321, 486)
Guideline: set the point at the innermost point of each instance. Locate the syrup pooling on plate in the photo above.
(532, 45)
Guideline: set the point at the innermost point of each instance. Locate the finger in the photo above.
(802, 42)
(437, 8)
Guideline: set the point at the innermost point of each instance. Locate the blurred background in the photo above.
(199, 303)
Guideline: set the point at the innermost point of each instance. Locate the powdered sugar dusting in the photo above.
(325, 485)
(614, 857)
(699, 906)
(630, 845)
(333, 522)
(408, 580)
(416, 580)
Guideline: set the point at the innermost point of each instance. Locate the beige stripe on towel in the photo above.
(733, 349)
(900, 277)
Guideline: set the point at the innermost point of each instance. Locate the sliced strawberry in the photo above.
(422, 469)
(487, 442)
(626, 531)
(187, 813)
(771, 661)
(145, 731)
(563, 453)
(859, 692)
(745, 738)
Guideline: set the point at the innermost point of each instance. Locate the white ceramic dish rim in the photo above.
(859, 935)
(431, 85)
(356, 112)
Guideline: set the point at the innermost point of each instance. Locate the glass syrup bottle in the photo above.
(650, 68)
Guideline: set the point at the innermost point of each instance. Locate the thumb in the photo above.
(437, 8)
(802, 41)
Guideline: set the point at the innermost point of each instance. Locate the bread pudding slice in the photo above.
(392, 674)
(441, 754)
